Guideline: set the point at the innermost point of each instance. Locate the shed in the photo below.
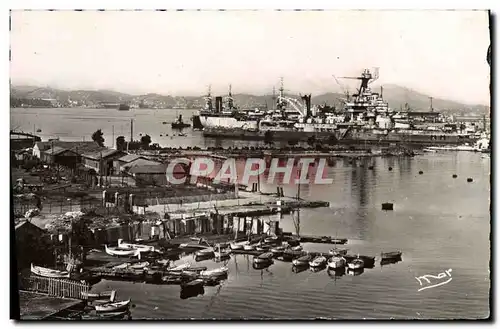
(61, 156)
(102, 161)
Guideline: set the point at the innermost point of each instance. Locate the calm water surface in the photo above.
(438, 222)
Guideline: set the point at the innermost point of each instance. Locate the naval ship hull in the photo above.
(342, 137)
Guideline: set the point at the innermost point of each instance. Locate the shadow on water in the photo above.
(299, 268)
(261, 266)
(192, 292)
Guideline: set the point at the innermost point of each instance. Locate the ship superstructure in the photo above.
(225, 116)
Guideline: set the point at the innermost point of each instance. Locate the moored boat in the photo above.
(319, 261)
(139, 266)
(391, 255)
(114, 251)
(248, 247)
(197, 283)
(48, 273)
(297, 248)
(302, 261)
(235, 246)
(215, 272)
(139, 247)
(262, 247)
(278, 251)
(179, 268)
(113, 307)
(263, 258)
(337, 251)
(271, 239)
(356, 264)
(109, 295)
(336, 262)
(205, 252)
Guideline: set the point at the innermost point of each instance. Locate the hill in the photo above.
(396, 96)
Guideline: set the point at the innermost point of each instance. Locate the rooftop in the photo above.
(104, 153)
(57, 150)
(130, 157)
(149, 169)
(79, 147)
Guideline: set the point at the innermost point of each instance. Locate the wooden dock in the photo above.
(37, 306)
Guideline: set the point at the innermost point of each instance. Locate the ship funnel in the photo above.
(218, 104)
(307, 101)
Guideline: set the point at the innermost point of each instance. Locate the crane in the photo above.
(345, 90)
(366, 78)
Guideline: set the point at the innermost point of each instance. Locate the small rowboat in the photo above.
(302, 261)
(180, 267)
(356, 264)
(140, 247)
(113, 307)
(391, 255)
(99, 295)
(271, 239)
(106, 316)
(113, 251)
(215, 272)
(318, 262)
(297, 248)
(48, 273)
(336, 251)
(264, 258)
(336, 262)
(262, 247)
(205, 252)
(248, 247)
(278, 251)
(235, 246)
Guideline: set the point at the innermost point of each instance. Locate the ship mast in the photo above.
(208, 99)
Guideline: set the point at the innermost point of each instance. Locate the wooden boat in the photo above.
(302, 261)
(48, 273)
(337, 262)
(140, 247)
(220, 254)
(337, 251)
(179, 268)
(356, 264)
(106, 316)
(235, 246)
(215, 272)
(139, 266)
(263, 258)
(205, 252)
(113, 307)
(319, 261)
(262, 247)
(248, 247)
(271, 239)
(278, 251)
(297, 248)
(289, 255)
(109, 295)
(113, 251)
(391, 255)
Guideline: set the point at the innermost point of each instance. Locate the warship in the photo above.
(364, 118)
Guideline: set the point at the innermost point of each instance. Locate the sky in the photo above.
(439, 53)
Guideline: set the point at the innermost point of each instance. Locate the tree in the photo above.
(121, 144)
(97, 137)
(145, 141)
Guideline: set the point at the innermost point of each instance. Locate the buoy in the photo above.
(469, 180)
(387, 206)
(454, 176)
(390, 168)
(420, 172)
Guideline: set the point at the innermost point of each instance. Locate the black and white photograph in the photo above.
(262, 164)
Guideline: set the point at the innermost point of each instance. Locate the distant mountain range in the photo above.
(396, 96)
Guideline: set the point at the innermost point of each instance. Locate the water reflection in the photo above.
(336, 273)
(192, 292)
(389, 261)
(355, 272)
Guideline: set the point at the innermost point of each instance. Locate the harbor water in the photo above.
(438, 222)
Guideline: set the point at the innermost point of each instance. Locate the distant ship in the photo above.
(227, 117)
(179, 124)
(123, 107)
